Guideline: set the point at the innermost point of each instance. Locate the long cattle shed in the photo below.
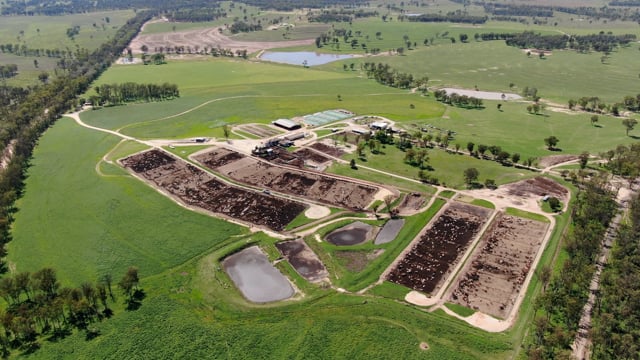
(286, 124)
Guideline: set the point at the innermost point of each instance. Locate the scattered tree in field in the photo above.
(471, 176)
(43, 77)
(499, 106)
(594, 119)
(352, 163)
(339, 97)
(584, 159)
(551, 142)
(629, 124)
(129, 283)
(470, 147)
(572, 104)
(225, 131)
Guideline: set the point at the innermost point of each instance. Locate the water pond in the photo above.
(257, 279)
(300, 57)
(352, 234)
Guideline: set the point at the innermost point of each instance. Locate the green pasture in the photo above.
(27, 70)
(517, 131)
(53, 29)
(447, 167)
(86, 225)
(493, 66)
(218, 92)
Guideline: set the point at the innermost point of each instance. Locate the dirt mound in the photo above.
(555, 159)
(195, 187)
(538, 186)
(329, 150)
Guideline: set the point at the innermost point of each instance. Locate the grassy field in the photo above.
(98, 224)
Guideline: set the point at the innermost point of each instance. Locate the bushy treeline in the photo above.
(616, 320)
(196, 14)
(559, 307)
(518, 10)
(624, 3)
(624, 160)
(455, 17)
(24, 50)
(116, 94)
(241, 26)
(597, 42)
(340, 15)
(458, 100)
(385, 75)
(38, 306)
(595, 104)
(46, 7)
(26, 119)
(7, 71)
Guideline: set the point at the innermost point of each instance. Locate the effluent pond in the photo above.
(257, 279)
(303, 58)
(352, 234)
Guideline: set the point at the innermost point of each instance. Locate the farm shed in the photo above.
(286, 124)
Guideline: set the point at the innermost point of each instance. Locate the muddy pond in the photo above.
(257, 279)
(352, 234)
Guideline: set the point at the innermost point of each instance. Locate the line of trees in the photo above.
(340, 15)
(616, 320)
(24, 50)
(241, 26)
(455, 17)
(116, 94)
(596, 105)
(30, 112)
(559, 308)
(458, 100)
(38, 306)
(197, 14)
(384, 74)
(601, 42)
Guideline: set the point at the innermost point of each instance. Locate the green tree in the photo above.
(629, 124)
(352, 163)
(470, 147)
(594, 119)
(584, 159)
(551, 142)
(225, 131)
(515, 158)
(129, 282)
(471, 176)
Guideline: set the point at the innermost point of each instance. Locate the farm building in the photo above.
(360, 131)
(378, 125)
(286, 124)
(294, 137)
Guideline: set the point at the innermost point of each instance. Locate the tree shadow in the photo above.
(136, 300)
(556, 149)
(59, 334)
(635, 137)
(91, 334)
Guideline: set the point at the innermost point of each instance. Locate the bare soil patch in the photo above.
(195, 187)
(538, 186)
(329, 150)
(431, 260)
(314, 186)
(555, 159)
(309, 155)
(199, 39)
(412, 202)
(492, 279)
(303, 259)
